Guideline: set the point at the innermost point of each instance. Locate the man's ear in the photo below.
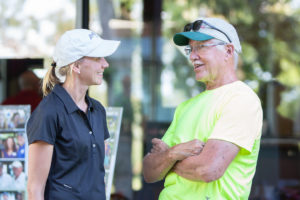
(229, 49)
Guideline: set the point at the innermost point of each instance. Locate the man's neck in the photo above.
(226, 79)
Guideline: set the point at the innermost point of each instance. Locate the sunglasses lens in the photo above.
(197, 25)
(188, 27)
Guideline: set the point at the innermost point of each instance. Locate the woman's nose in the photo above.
(104, 63)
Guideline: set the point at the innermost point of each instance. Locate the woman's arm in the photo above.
(39, 162)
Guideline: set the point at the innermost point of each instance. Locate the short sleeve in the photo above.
(42, 126)
(240, 121)
(168, 136)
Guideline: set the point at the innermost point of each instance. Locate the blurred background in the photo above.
(149, 76)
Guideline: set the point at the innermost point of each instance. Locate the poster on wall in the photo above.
(13, 151)
(113, 118)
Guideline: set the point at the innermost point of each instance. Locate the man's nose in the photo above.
(194, 55)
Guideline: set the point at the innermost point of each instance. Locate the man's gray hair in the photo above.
(236, 60)
(235, 55)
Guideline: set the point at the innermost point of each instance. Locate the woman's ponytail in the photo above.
(50, 80)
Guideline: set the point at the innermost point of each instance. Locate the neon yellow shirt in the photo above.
(231, 113)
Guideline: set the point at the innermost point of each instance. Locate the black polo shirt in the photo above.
(77, 170)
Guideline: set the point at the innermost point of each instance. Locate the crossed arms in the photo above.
(192, 160)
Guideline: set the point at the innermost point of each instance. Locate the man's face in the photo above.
(207, 61)
(21, 140)
(17, 171)
(5, 197)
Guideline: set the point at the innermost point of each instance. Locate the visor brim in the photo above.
(104, 48)
(183, 38)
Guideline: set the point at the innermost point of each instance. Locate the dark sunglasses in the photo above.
(196, 25)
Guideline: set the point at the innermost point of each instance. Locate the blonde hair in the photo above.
(50, 79)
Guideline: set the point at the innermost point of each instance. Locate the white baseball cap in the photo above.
(206, 29)
(17, 164)
(77, 43)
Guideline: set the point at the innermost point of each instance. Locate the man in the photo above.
(5, 196)
(29, 85)
(227, 117)
(5, 179)
(21, 146)
(19, 175)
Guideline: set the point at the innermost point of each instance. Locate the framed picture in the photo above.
(13, 145)
(12, 195)
(113, 118)
(14, 118)
(13, 151)
(13, 176)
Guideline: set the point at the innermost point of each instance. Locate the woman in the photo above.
(16, 121)
(67, 130)
(10, 148)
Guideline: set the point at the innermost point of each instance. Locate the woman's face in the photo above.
(10, 143)
(91, 70)
(16, 118)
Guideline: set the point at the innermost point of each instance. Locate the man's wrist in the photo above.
(171, 154)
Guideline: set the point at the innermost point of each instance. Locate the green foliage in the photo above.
(127, 4)
(15, 16)
(290, 73)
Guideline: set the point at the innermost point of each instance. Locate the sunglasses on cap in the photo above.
(197, 25)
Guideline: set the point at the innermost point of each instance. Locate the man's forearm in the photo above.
(162, 158)
(190, 168)
(211, 164)
(157, 165)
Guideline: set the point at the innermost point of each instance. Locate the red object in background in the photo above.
(24, 97)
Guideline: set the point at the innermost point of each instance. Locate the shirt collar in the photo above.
(70, 105)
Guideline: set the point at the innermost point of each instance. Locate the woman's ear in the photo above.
(75, 67)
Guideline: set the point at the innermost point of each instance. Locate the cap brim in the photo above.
(104, 48)
(183, 38)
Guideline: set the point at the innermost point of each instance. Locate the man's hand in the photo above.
(179, 151)
(187, 149)
(158, 146)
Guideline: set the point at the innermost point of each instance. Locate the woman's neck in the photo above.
(77, 93)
